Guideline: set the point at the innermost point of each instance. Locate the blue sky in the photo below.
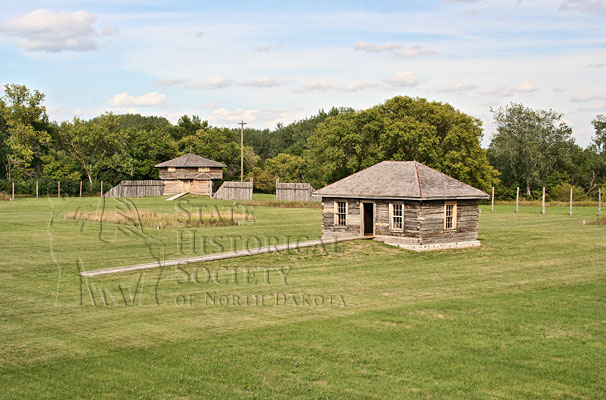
(272, 61)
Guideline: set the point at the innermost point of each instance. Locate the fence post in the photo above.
(599, 202)
(13, 196)
(570, 212)
(492, 204)
(36, 189)
(80, 188)
(543, 199)
(517, 199)
(58, 189)
(101, 189)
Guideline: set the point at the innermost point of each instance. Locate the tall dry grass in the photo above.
(158, 220)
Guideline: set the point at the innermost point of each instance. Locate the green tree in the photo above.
(263, 180)
(401, 129)
(59, 166)
(599, 124)
(24, 125)
(287, 167)
(92, 143)
(530, 146)
(223, 145)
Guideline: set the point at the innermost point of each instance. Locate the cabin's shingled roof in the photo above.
(401, 180)
(190, 161)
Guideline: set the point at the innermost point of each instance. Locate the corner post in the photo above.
(492, 203)
(517, 199)
(543, 200)
(570, 211)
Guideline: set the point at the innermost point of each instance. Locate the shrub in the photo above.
(561, 192)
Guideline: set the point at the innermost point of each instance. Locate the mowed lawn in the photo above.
(524, 316)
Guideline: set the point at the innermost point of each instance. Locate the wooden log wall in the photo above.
(235, 191)
(141, 188)
(295, 192)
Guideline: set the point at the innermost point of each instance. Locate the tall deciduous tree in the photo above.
(599, 124)
(287, 167)
(401, 129)
(24, 123)
(90, 142)
(530, 146)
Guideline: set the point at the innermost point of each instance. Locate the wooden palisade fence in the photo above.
(295, 192)
(142, 188)
(235, 191)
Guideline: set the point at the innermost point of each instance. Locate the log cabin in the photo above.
(189, 174)
(405, 204)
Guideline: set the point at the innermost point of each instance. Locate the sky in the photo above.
(270, 62)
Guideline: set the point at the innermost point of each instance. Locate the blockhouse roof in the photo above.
(190, 161)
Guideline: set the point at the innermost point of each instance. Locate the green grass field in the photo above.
(524, 316)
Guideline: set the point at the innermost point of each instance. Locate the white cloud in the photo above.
(261, 49)
(397, 49)
(219, 83)
(122, 100)
(588, 6)
(216, 83)
(510, 90)
(588, 96)
(596, 65)
(199, 34)
(462, 1)
(457, 87)
(355, 86)
(264, 82)
(43, 30)
(600, 108)
(321, 85)
(414, 51)
(266, 48)
(403, 79)
(375, 48)
(267, 118)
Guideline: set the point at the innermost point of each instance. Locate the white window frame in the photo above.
(336, 213)
(392, 226)
(454, 216)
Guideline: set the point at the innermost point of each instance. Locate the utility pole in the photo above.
(242, 150)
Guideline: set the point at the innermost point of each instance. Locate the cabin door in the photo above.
(368, 210)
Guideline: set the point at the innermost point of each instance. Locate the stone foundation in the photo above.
(411, 245)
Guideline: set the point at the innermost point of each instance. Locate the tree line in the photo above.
(530, 148)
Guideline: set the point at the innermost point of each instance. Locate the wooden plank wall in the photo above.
(432, 222)
(141, 188)
(295, 192)
(235, 191)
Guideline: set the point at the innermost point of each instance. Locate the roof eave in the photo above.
(349, 196)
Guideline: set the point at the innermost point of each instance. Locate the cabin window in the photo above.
(450, 215)
(396, 216)
(172, 169)
(341, 213)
